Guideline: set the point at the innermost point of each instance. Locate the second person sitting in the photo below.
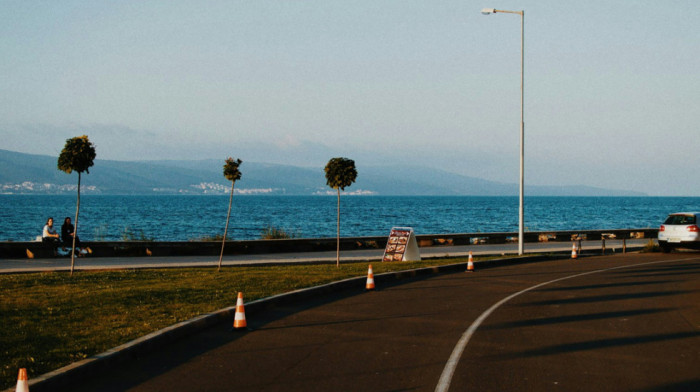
(67, 234)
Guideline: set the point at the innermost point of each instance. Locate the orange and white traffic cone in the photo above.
(574, 254)
(239, 322)
(22, 385)
(470, 264)
(370, 279)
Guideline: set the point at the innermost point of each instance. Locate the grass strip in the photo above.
(48, 320)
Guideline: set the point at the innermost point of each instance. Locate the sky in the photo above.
(612, 89)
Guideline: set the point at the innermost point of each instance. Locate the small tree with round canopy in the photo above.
(232, 174)
(78, 155)
(340, 173)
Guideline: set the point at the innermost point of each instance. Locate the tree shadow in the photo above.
(601, 298)
(682, 386)
(575, 318)
(605, 285)
(660, 268)
(592, 345)
(349, 321)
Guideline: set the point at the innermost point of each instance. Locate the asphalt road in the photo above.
(624, 322)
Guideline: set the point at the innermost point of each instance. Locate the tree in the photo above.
(232, 174)
(340, 173)
(77, 155)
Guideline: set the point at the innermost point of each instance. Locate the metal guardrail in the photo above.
(204, 248)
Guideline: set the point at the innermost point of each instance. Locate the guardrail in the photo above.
(207, 248)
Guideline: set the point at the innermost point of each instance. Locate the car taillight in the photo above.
(662, 228)
(693, 228)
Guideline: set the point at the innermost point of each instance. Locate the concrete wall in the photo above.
(207, 248)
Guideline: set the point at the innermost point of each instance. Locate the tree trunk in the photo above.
(337, 252)
(75, 229)
(228, 216)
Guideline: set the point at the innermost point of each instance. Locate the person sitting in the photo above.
(49, 235)
(67, 234)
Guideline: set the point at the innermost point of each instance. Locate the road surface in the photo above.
(623, 322)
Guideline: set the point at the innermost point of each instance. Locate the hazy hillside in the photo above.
(25, 173)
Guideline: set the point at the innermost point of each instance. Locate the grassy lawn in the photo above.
(48, 320)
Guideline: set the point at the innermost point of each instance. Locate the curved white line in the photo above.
(449, 370)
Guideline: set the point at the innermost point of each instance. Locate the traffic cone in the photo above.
(239, 320)
(370, 279)
(30, 254)
(22, 385)
(470, 264)
(573, 252)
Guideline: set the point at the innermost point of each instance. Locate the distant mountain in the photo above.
(25, 173)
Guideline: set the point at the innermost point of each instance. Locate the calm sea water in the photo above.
(183, 218)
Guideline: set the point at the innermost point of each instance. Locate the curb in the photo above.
(62, 378)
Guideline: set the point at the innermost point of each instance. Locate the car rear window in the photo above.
(680, 220)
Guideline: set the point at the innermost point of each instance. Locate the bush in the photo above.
(130, 234)
(651, 247)
(274, 233)
(212, 238)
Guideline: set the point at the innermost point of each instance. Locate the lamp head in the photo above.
(487, 11)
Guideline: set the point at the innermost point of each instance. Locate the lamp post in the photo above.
(487, 11)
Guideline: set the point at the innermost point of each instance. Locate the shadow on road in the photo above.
(597, 345)
(600, 298)
(575, 318)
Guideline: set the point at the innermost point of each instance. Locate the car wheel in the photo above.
(665, 247)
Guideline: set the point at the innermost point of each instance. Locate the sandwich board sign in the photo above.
(402, 245)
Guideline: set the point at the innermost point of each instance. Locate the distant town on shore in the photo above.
(37, 174)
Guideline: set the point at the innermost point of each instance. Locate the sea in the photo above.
(193, 218)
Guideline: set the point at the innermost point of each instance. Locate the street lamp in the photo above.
(488, 11)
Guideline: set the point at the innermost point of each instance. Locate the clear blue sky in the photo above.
(612, 88)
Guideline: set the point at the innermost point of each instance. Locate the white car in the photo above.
(680, 230)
